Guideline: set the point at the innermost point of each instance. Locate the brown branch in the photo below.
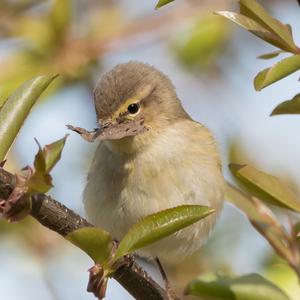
(62, 220)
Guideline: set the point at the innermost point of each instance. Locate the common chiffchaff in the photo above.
(152, 156)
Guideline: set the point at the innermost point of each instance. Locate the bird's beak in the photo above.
(118, 130)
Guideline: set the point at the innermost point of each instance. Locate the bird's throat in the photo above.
(132, 145)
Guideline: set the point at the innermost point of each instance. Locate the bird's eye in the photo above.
(133, 108)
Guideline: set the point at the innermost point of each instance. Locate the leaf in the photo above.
(253, 27)
(260, 216)
(262, 219)
(39, 183)
(202, 42)
(255, 19)
(60, 17)
(289, 28)
(270, 55)
(288, 107)
(278, 71)
(247, 287)
(243, 202)
(268, 188)
(95, 242)
(159, 225)
(16, 109)
(255, 11)
(162, 3)
(256, 211)
(45, 160)
(284, 277)
(47, 157)
(244, 22)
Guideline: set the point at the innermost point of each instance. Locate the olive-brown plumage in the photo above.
(153, 157)
(125, 81)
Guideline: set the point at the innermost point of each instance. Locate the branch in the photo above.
(57, 217)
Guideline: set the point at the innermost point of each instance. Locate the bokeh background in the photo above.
(211, 63)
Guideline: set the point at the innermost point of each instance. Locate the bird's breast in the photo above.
(123, 189)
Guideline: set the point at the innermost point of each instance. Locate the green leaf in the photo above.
(39, 183)
(253, 27)
(243, 202)
(262, 219)
(278, 71)
(159, 225)
(47, 157)
(270, 55)
(45, 160)
(255, 19)
(288, 107)
(162, 3)
(267, 187)
(247, 287)
(244, 22)
(255, 11)
(16, 109)
(95, 242)
(260, 216)
(60, 17)
(202, 42)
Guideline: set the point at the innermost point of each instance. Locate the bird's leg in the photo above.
(168, 287)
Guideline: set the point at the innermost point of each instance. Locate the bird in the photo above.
(152, 156)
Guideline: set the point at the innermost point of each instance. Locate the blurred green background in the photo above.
(212, 65)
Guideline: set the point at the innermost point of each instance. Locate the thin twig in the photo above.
(57, 217)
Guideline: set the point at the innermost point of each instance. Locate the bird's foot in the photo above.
(17, 205)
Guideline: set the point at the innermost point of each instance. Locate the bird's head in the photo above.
(135, 98)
